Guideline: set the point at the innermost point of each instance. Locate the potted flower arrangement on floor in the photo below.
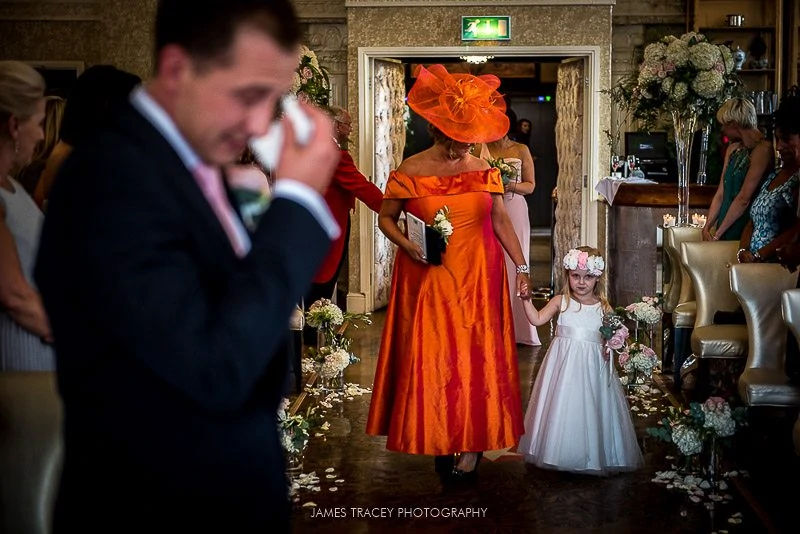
(332, 354)
(700, 432)
(295, 430)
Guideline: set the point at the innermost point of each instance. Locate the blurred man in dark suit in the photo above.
(167, 310)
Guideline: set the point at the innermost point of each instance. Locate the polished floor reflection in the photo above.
(511, 496)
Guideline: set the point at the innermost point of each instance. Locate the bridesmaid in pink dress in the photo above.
(518, 156)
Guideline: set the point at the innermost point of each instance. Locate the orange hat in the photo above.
(464, 107)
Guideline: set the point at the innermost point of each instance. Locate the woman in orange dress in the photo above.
(447, 381)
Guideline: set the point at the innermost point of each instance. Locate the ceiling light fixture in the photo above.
(476, 60)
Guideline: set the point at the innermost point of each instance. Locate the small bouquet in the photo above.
(614, 332)
(437, 235)
(442, 224)
(508, 173)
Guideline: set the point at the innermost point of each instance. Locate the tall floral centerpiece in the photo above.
(686, 78)
(635, 356)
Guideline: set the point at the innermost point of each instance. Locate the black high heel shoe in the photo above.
(444, 464)
(459, 476)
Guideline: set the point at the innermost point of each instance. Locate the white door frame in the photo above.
(361, 300)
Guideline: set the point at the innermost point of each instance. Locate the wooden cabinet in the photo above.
(791, 69)
(760, 35)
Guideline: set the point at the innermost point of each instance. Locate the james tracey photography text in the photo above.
(342, 512)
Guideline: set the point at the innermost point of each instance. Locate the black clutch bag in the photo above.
(434, 246)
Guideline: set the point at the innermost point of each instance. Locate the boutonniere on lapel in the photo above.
(250, 188)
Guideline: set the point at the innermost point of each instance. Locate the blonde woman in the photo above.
(747, 161)
(29, 175)
(24, 328)
(519, 157)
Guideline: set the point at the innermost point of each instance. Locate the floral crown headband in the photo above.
(579, 259)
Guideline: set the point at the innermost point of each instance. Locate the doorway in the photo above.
(374, 262)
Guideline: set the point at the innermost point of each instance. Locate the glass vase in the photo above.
(711, 467)
(684, 122)
(333, 383)
(294, 461)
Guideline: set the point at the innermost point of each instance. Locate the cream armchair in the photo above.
(679, 300)
(708, 264)
(790, 306)
(30, 451)
(759, 288)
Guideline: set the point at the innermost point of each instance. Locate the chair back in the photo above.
(30, 451)
(759, 288)
(790, 309)
(680, 285)
(707, 263)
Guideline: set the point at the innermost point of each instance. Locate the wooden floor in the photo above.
(359, 479)
(518, 497)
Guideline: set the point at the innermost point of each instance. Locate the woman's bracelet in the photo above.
(523, 269)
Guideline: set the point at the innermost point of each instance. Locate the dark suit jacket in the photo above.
(347, 185)
(167, 341)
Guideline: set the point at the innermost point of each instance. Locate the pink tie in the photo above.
(210, 182)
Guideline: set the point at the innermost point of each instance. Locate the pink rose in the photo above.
(713, 404)
(583, 256)
(617, 341)
(624, 357)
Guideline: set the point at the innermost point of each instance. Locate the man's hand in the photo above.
(312, 163)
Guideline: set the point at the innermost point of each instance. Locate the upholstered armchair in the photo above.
(790, 306)
(30, 451)
(679, 300)
(708, 264)
(759, 288)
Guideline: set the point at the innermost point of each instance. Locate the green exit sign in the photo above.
(485, 28)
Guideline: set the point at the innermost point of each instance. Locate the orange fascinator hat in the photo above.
(464, 107)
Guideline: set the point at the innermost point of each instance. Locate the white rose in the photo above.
(446, 228)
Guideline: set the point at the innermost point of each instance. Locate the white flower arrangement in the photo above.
(578, 259)
(638, 359)
(691, 429)
(333, 361)
(442, 224)
(645, 311)
(294, 429)
(324, 313)
(687, 440)
(686, 74)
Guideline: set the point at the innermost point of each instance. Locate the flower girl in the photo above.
(577, 418)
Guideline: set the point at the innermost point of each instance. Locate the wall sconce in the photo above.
(476, 60)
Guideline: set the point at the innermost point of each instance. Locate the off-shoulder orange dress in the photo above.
(447, 377)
